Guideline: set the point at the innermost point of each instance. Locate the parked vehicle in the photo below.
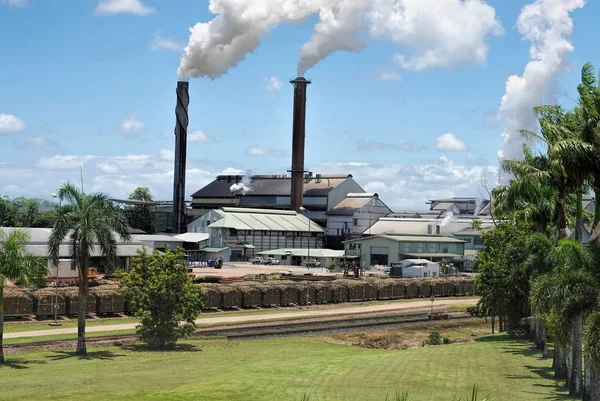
(273, 261)
(313, 263)
(258, 260)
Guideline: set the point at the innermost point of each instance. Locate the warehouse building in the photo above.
(240, 233)
(387, 249)
(299, 257)
(38, 245)
(323, 193)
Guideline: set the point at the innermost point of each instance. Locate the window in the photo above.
(355, 222)
(478, 241)
(445, 250)
(437, 229)
(467, 240)
(428, 229)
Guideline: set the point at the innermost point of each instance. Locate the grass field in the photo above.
(282, 369)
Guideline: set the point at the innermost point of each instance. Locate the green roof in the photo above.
(213, 250)
(412, 238)
(261, 220)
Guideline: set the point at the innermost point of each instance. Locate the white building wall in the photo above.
(339, 193)
(200, 225)
(265, 242)
(360, 221)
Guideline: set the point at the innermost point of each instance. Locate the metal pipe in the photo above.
(181, 126)
(298, 139)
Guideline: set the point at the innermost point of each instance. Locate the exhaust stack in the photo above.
(181, 126)
(298, 139)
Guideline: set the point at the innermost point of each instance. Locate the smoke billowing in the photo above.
(546, 24)
(437, 33)
(243, 187)
(447, 219)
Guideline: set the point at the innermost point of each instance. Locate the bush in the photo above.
(163, 296)
(435, 338)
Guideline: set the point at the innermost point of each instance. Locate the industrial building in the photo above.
(442, 225)
(38, 245)
(459, 205)
(353, 216)
(387, 249)
(327, 200)
(299, 256)
(238, 234)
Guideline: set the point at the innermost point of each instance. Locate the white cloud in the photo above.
(15, 3)
(449, 141)
(160, 42)
(231, 171)
(441, 33)
(273, 84)
(259, 151)
(199, 136)
(115, 175)
(131, 126)
(410, 185)
(113, 7)
(387, 75)
(38, 142)
(167, 155)
(9, 124)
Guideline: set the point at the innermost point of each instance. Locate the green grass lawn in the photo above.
(282, 369)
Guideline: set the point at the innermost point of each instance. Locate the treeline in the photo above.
(532, 276)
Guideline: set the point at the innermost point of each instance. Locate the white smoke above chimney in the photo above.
(546, 24)
(440, 33)
(243, 187)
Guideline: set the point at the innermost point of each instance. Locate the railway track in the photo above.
(270, 329)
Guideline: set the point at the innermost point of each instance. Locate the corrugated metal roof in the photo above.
(271, 185)
(412, 238)
(443, 206)
(473, 231)
(213, 250)
(265, 220)
(40, 236)
(351, 204)
(122, 250)
(303, 252)
(432, 255)
(192, 237)
(155, 238)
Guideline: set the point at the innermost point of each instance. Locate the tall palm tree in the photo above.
(90, 222)
(17, 265)
(589, 104)
(565, 298)
(555, 169)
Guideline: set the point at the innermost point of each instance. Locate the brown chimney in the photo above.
(298, 137)
(181, 126)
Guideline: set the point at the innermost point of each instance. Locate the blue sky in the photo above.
(83, 87)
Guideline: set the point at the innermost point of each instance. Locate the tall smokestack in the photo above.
(181, 126)
(298, 137)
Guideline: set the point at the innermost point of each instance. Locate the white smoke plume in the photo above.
(441, 33)
(447, 219)
(243, 187)
(546, 24)
(478, 206)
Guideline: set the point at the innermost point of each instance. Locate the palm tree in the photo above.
(555, 170)
(90, 222)
(589, 104)
(17, 265)
(565, 298)
(526, 199)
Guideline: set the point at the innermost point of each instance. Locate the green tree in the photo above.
(142, 216)
(163, 296)
(45, 219)
(87, 222)
(8, 213)
(19, 266)
(512, 255)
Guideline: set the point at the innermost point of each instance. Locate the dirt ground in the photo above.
(242, 269)
(412, 337)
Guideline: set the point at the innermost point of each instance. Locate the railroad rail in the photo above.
(251, 331)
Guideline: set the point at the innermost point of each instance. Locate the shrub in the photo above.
(163, 296)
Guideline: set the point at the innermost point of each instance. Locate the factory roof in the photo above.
(443, 206)
(303, 252)
(271, 185)
(155, 238)
(264, 220)
(38, 243)
(353, 203)
(411, 238)
(474, 231)
(192, 237)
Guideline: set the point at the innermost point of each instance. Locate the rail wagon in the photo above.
(425, 289)
(399, 289)
(339, 292)
(371, 290)
(231, 296)
(289, 294)
(108, 299)
(44, 300)
(211, 297)
(17, 302)
(270, 295)
(356, 290)
(303, 290)
(323, 293)
(251, 296)
(412, 289)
